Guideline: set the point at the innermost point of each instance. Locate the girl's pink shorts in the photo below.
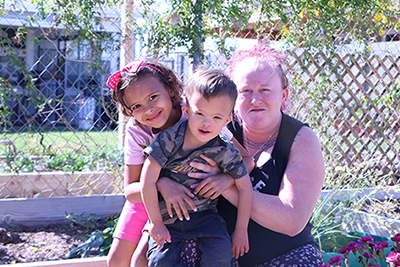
(130, 224)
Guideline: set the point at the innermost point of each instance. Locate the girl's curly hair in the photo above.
(168, 78)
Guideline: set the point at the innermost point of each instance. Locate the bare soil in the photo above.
(42, 244)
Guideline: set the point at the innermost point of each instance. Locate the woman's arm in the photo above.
(132, 183)
(175, 194)
(289, 212)
(213, 185)
(214, 181)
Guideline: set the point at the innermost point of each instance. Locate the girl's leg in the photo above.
(139, 258)
(127, 234)
(120, 253)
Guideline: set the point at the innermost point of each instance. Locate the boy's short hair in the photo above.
(211, 83)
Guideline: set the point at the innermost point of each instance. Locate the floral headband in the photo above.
(132, 68)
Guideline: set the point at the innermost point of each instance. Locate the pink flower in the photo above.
(396, 238)
(335, 260)
(368, 255)
(366, 239)
(344, 251)
(325, 265)
(373, 265)
(380, 245)
(393, 257)
(353, 246)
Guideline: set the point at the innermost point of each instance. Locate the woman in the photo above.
(289, 172)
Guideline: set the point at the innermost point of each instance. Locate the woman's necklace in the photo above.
(250, 144)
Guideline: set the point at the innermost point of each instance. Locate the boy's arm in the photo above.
(240, 242)
(149, 176)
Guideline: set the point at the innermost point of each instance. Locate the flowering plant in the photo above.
(369, 253)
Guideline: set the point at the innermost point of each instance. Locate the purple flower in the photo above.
(366, 239)
(353, 246)
(380, 245)
(373, 265)
(325, 265)
(344, 251)
(335, 260)
(393, 257)
(368, 255)
(396, 238)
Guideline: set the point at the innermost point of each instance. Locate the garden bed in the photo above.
(50, 243)
(59, 183)
(388, 208)
(376, 216)
(361, 221)
(37, 230)
(87, 262)
(34, 212)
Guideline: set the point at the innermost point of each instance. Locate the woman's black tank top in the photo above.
(264, 243)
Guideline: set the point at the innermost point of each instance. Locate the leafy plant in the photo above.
(363, 175)
(330, 212)
(340, 205)
(98, 239)
(68, 162)
(18, 164)
(87, 221)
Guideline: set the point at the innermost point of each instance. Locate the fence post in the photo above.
(197, 45)
(126, 56)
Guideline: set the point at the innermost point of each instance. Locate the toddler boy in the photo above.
(210, 96)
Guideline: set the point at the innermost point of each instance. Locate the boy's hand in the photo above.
(240, 243)
(160, 234)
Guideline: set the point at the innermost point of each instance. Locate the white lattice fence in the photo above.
(352, 102)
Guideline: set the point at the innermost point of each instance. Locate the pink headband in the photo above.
(132, 68)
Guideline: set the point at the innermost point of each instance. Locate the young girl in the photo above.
(150, 93)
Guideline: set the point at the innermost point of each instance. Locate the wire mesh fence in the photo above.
(61, 132)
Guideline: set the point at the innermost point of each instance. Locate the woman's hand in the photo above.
(211, 168)
(214, 182)
(213, 186)
(175, 195)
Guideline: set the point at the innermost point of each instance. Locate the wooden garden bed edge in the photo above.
(85, 262)
(36, 212)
